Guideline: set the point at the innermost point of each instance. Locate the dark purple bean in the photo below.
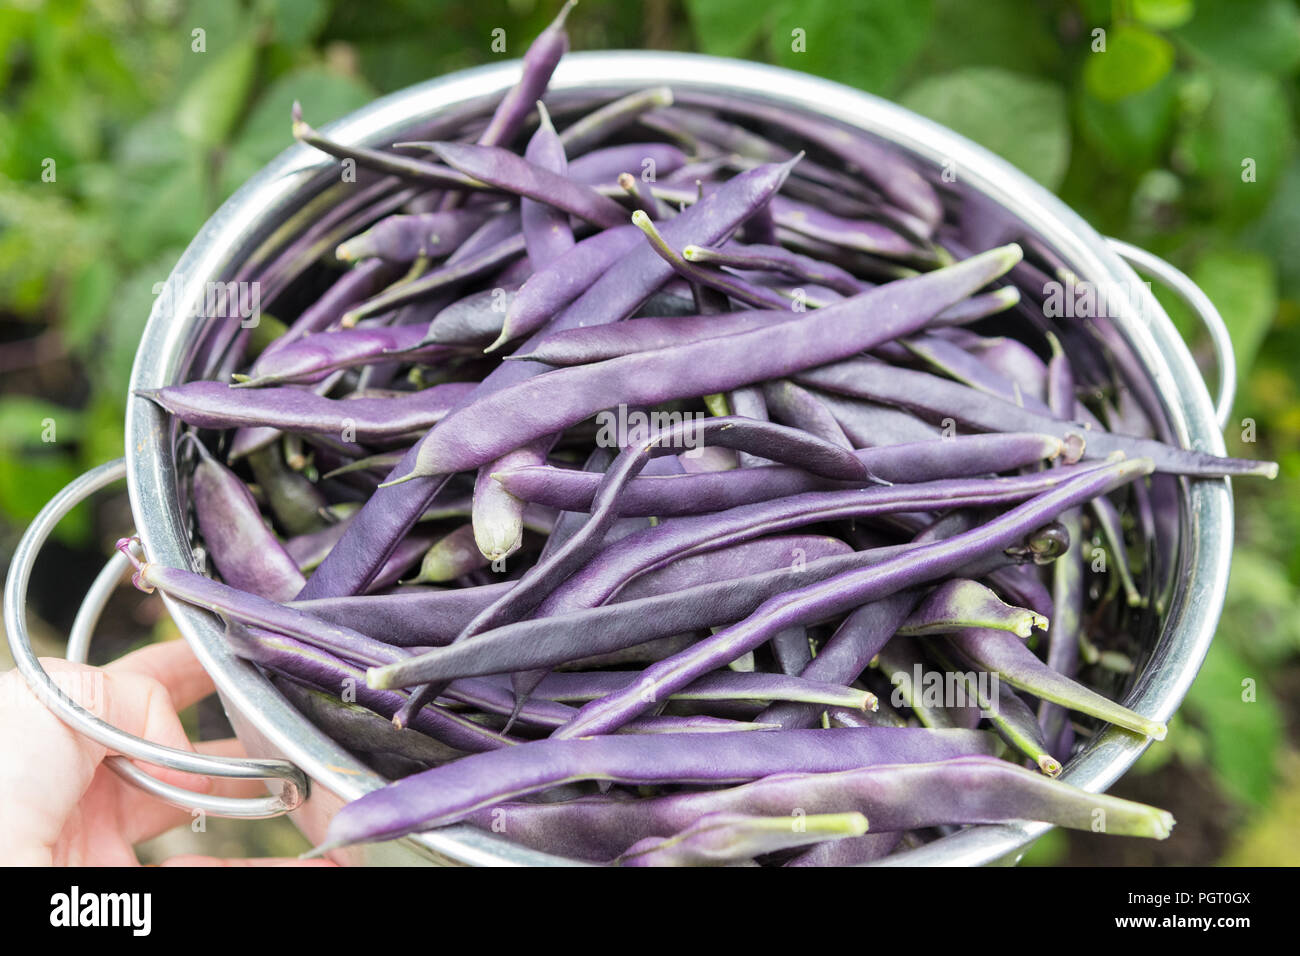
(1019, 667)
(362, 730)
(851, 590)
(598, 125)
(896, 797)
(423, 616)
(1063, 638)
(604, 165)
(448, 794)
(395, 164)
(454, 273)
(472, 320)
(615, 295)
(547, 235)
(540, 60)
(247, 555)
(404, 239)
(584, 345)
(800, 408)
(334, 675)
(563, 630)
(961, 457)
(778, 259)
(214, 405)
(620, 562)
(310, 359)
(862, 235)
(937, 398)
(548, 404)
(887, 171)
(255, 611)
(544, 295)
(961, 603)
(503, 169)
(726, 839)
(723, 685)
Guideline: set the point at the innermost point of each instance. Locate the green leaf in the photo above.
(864, 43)
(1163, 14)
(167, 210)
(92, 292)
(1131, 132)
(1257, 35)
(214, 101)
(1135, 59)
(1021, 118)
(28, 481)
(1243, 287)
(726, 27)
(1239, 145)
(1244, 734)
(297, 21)
(29, 422)
(135, 300)
(1277, 232)
(1002, 33)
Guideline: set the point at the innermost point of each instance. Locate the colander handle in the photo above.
(292, 782)
(1191, 294)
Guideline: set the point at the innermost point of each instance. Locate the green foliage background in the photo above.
(1179, 135)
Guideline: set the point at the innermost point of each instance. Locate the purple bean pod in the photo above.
(450, 793)
(844, 593)
(547, 404)
(247, 555)
(961, 603)
(405, 238)
(897, 797)
(1019, 667)
(937, 398)
(215, 405)
(732, 839)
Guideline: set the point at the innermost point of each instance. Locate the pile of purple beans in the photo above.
(649, 487)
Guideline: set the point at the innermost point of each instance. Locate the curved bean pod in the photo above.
(449, 793)
(216, 405)
(842, 594)
(897, 797)
(547, 404)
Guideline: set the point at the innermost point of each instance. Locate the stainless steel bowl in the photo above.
(308, 774)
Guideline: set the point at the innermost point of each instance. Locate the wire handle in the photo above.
(1178, 283)
(292, 783)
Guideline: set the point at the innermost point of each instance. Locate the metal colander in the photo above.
(307, 774)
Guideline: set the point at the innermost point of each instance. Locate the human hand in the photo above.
(62, 805)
